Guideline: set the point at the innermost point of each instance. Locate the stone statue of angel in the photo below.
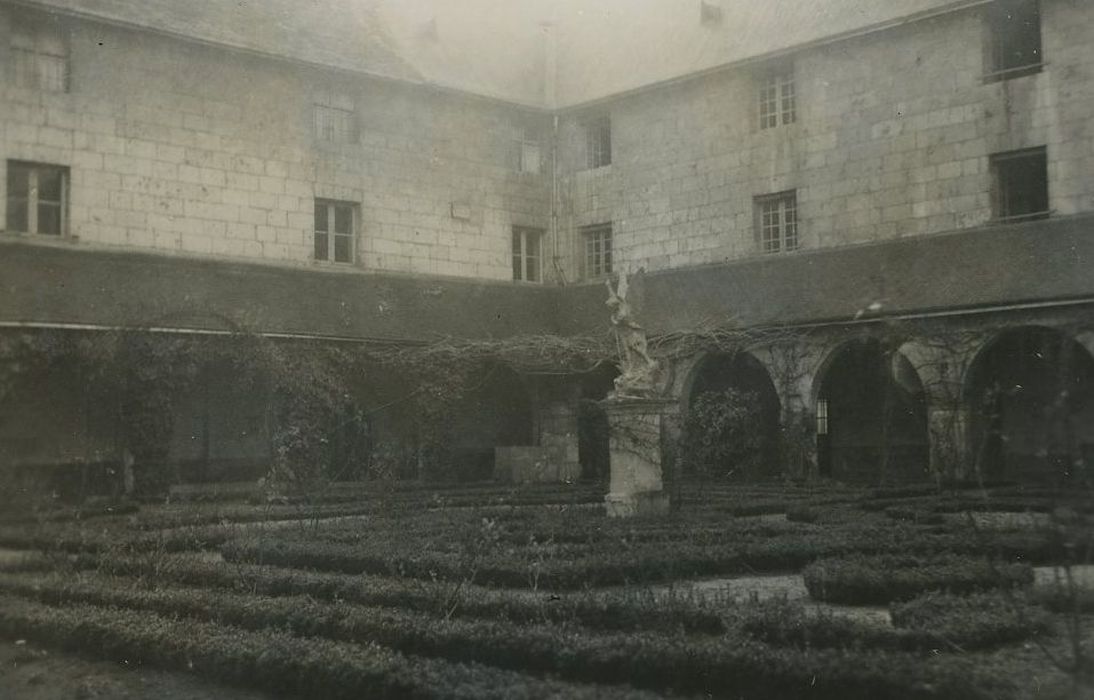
(638, 371)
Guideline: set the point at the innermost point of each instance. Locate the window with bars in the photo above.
(598, 250)
(334, 230)
(37, 198)
(777, 221)
(1015, 30)
(777, 98)
(527, 261)
(335, 119)
(39, 58)
(1021, 184)
(598, 142)
(822, 416)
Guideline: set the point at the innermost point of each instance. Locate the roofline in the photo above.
(234, 48)
(953, 7)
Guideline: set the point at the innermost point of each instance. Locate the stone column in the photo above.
(638, 440)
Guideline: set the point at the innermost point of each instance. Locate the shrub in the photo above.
(272, 660)
(979, 620)
(729, 666)
(880, 579)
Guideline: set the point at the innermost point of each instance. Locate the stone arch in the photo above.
(1030, 391)
(742, 371)
(871, 415)
(496, 411)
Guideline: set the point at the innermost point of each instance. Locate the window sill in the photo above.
(1017, 72)
(1019, 218)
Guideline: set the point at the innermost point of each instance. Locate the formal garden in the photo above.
(410, 590)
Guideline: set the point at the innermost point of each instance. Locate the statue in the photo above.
(639, 372)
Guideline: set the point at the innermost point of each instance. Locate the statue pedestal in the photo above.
(637, 439)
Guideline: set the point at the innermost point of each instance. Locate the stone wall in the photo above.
(892, 139)
(190, 149)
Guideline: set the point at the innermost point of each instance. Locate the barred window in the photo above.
(334, 230)
(36, 198)
(777, 221)
(598, 250)
(778, 105)
(598, 142)
(527, 260)
(822, 416)
(39, 58)
(335, 119)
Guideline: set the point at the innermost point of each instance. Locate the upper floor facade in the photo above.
(935, 119)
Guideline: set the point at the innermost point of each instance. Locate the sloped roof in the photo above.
(545, 53)
(980, 268)
(82, 286)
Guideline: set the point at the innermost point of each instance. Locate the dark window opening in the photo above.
(598, 142)
(36, 198)
(1015, 38)
(1021, 184)
(334, 231)
(526, 254)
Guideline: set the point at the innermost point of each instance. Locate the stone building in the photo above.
(886, 205)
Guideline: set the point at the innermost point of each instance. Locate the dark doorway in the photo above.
(871, 417)
(746, 377)
(593, 432)
(1031, 392)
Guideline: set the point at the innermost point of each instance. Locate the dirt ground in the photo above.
(28, 672)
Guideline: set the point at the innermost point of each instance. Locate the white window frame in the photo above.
(597, 250)
(331, 206)
(529, 151)
(34, 201)
(777, 223)
(39, 57)
(527, 243)
(777, 97)
(598, 141)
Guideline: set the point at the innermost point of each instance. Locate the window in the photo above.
(527, 150)
(1021, 184)
(1015, 29)
(777, 100)
(526, 254)
(334, 231)
(36, 198)
(822, 416)
(335, 119)
(39, 58)
(598, 142)
(598, 250)
(777, 221)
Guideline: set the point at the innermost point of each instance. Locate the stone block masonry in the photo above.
(196, 150)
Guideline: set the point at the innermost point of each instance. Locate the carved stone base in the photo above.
(637, 439)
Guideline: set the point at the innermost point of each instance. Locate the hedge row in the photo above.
(728, 666)
(273, 661)
(81, 540)
(609, 562)
(984, 619)
(610, 610)
(971, 626)
(881, 579)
